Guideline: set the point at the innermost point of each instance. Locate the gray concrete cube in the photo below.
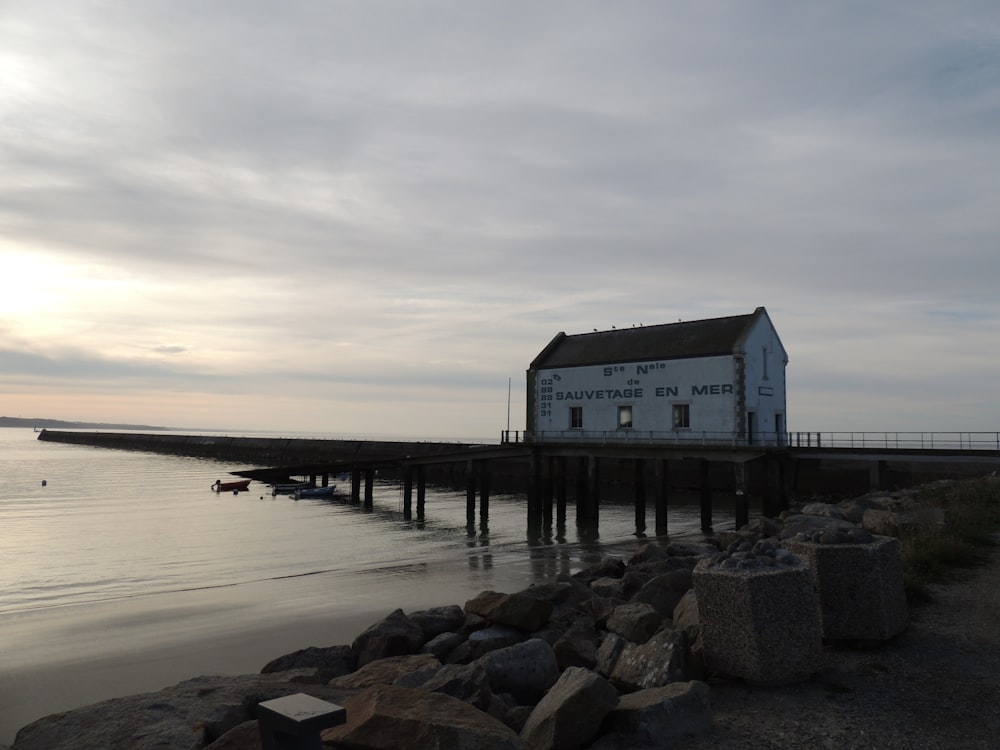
(859, 586)
(759, 620)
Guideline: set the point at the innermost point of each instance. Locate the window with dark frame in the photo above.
(625, 417)
(576, 417)
(682, 416)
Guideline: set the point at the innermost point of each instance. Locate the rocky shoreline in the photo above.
(613, 656)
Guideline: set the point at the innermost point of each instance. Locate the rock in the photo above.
(892, 523)
(600, 608)
(662, 716)
(608, 587)
(384, 671)
(525, 670)
(564, 595)
(635, 621)
(329, 662)
(825, 510)
(606, 567)
(800, 523)
(523, 610)
(657, 662)
(191, 714)
(570, 714)
(472, 624)
(691, 549)
(665, 591)
(389, 717)
(482, 642)
(467, 682)
(246, 736)
(438, 620)
(685, 616)
(577, 647)
(648, 552)
(396, 635)
(442, 645)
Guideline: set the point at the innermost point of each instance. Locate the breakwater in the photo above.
(259, 451)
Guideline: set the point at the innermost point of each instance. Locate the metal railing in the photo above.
(964, 441)
(644, 437)
(971, 441)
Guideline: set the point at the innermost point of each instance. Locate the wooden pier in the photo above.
(552, 472)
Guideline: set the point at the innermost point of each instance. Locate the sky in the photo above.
(369, 217)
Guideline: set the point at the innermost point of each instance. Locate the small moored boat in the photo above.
(314, 492)
(288, 488)
(239, 486)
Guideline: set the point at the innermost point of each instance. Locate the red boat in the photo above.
(241, 485)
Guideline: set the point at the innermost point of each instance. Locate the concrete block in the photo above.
(759, 615)
(294, 722)
(859, 585)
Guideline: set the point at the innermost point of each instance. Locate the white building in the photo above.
(719, 380)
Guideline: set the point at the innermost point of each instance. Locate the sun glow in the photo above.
(44, 295)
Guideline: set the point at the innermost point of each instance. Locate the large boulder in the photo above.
(664, 591)
(630, 667)
(635, 621)
(686, 616)
(577, 647)
(526, 670)
(385, 671)
(246, 736)
(524, 610)
(893, 523)
(467, 682)
(442, 645)
(565, 595)
(826, 510)
(606, 567)
(600, 608)
(483, 641)
(648, 552)
(439, 620)
(389, 717)
(608, 587)
(570, 714)
(662, 716)
(190, 714)
(395, 635)
(803, 523)
(329, 662)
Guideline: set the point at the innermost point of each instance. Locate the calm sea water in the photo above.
(122, 572)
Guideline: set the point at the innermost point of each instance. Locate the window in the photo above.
(624, 417)
(682, 416)
(576, 417)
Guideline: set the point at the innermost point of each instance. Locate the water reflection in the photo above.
(549, 561)
(477, 561)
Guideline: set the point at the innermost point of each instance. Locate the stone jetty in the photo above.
(621, 654)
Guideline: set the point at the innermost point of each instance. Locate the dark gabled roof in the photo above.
(695, 338)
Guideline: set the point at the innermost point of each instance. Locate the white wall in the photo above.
(651, 388)
(764, 375)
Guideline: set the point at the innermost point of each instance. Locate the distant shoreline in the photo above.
(57, 423)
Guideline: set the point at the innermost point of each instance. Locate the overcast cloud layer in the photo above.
(364, 217)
